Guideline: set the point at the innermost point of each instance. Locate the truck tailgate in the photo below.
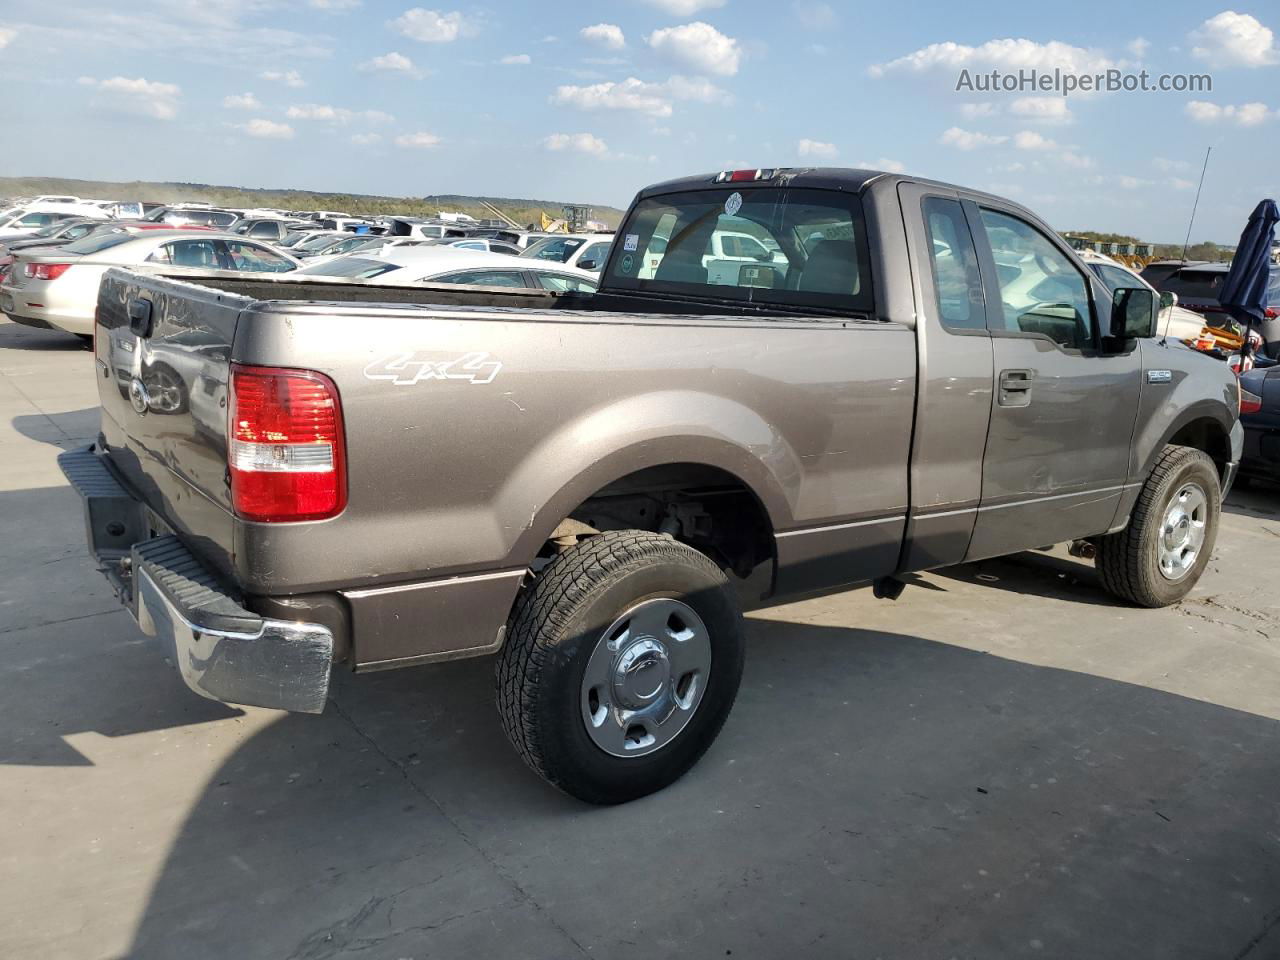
(162, 357)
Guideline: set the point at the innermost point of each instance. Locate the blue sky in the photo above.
(588, 102)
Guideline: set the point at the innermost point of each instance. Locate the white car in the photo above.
(33, 216)
(1177, 322)
(585, 251)
(58, 288)
(431, 264)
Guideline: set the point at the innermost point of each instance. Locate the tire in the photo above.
(557, 632)
(1130, 561)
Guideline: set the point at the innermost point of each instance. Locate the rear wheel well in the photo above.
(710, 509)
(1206, 435)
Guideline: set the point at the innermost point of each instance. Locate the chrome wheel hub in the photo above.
(646, 677)
(1182, 531)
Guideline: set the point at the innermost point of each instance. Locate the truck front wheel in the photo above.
(1159, 556)
(621, 663)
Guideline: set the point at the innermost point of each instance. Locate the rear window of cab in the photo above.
(767, 245)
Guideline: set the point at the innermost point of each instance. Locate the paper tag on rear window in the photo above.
(631, 243)
(733, 204)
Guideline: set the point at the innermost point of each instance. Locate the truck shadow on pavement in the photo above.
(872, 794)
(14, 336)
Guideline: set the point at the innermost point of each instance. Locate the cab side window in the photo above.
(956, 280)
(1041, 291)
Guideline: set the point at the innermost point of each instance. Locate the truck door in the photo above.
(1063, 413)
(955, 376)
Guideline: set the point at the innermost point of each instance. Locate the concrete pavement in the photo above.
(1003, 763)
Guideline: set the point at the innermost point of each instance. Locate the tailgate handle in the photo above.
(140, 317)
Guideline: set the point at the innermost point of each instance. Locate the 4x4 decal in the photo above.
(406, 369)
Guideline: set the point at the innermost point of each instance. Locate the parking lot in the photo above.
(1002, 763)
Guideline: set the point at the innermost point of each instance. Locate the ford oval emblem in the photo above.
(138, 397)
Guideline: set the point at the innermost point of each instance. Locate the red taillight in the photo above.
(285, 445)
(46, 271)
(1271, 313)
(1249, 402)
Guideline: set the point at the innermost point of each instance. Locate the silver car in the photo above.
(59, 288)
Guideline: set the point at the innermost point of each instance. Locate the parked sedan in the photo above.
(273, 230)
(59, 288)
(1177, 322)
(586, 251)
(446, 265)
(54, 235)
(480, 243)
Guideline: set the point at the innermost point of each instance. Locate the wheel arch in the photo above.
(602, 450)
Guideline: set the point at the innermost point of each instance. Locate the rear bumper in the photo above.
(222, 650)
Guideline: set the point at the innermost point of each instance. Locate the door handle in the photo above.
(1015, 387)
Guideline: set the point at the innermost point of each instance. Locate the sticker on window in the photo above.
(628, 263)
(632, 243)
(733, 204)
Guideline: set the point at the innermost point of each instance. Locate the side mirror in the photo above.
(1168, 299)
(588, 265)
(1133, 313)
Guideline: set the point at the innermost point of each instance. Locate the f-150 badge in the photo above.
(406, 369)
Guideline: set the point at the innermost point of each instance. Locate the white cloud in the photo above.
(6, 36)
(322, 111)
(241, 101)
(972, 110)
(1244, 115)
(1042, 109)
(1234, 40)
(686, 8)
(1170, 166)
(366, 139)
(576, 142)
(421, 140)
(137, 95)
(334, 6)
(1030, 140)
(816, 149)
(266, 129)
(431, 26)
(290, 78)
(1132, 183)
(1179, 184)
(885, 164)
(652, 99)
(1006, 54)
(516, 60)
(699, 46)
(814, 15)
(968, 139)
(1139, 46)
(392, 62)
(607, 35)
(1077, 160)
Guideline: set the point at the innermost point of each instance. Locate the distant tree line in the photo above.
(523, 212)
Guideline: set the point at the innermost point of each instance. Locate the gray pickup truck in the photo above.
(792, 380)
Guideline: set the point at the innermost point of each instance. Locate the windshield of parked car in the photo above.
(554, 249)
(1201, 284)
(51, 230)
(764, 245)
(97, 242)
(317, 243)
(350, 268)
